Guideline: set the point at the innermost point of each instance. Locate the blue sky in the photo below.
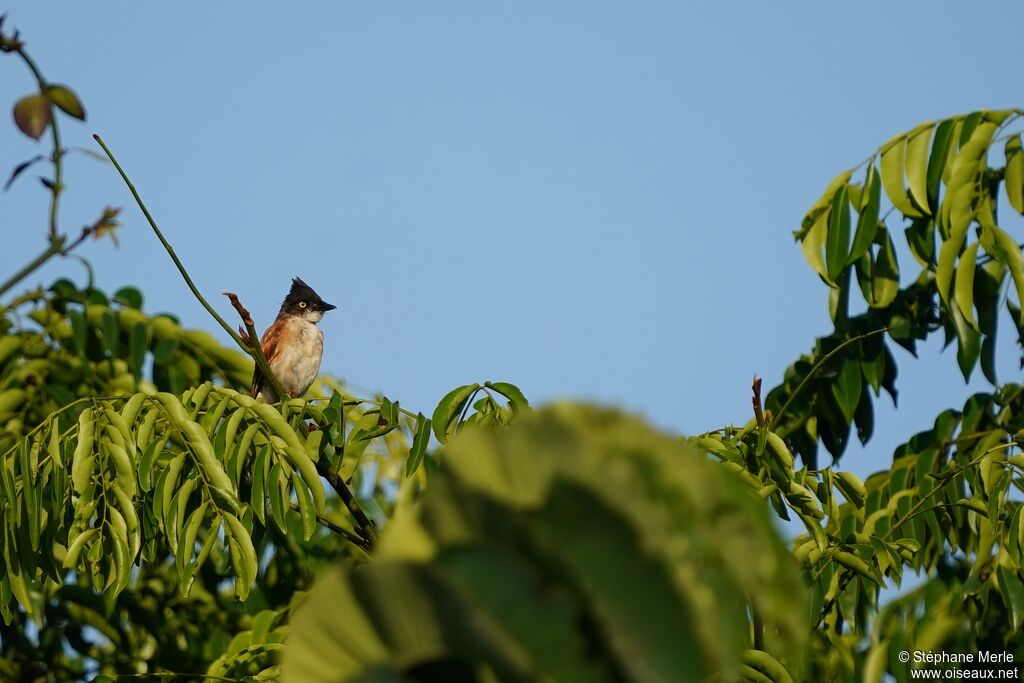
(592, 200)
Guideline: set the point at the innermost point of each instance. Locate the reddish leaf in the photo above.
(32, 115)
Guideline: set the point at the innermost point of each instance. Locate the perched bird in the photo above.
(293, 344)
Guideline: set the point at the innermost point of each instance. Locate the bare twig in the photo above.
(243, 312)
(756, 401)
(253, 347)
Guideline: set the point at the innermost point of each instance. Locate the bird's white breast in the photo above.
(298, 363)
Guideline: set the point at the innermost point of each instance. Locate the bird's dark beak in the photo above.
(327, 307)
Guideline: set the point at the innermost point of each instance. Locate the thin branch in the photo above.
(465, 408)
(820, 363)
(355, 540)
(756, 401)
(56, 241)
(252, 345)
(847, 576)
(51, 251)
(364, 526)
(253, 349)
(58, 151)
(170, 249)
(988, 257)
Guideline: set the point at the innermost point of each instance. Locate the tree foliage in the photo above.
(553, 551)
(154, 520)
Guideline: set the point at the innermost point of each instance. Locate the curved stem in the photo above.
(58, 152)
(364, 526)
(819, 364)
(254, 350)
(48, 253)
(58, 174)
(168, 247)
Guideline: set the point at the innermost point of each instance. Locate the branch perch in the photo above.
(364, 526)
(250, 344)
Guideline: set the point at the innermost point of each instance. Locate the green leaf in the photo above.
(963, 187)
(814, 529)
(892, 176)
(766, 665)
(446, 415)
(875, 663)
(198, 440)
(111, 333)
(257, 500)
(847, 387)
(307, 513)
(187, 542)
(1012, 257)
(75, 548)
(852, 488)
(204, 552)
(837, 243)
(917, 166)
(592, 540)
(858, 565)
(820, 206)
(885, 274)
(149, 456)
(1014, 177)
(118, 535)
(32, 115)
(944, 139)
(243, 555)
(66, 100)
(964, 286)
(277, 489)
(516, 400)
(968, 343)
(988, 282)
(867, 222)
(420, 441)
(81, 466)
(813, 244)
(295, 451)
(174, 518)
(1012, 588)
(129, 296)
(945, 267)
(30, 494)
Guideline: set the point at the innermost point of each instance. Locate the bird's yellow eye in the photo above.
(302, 304)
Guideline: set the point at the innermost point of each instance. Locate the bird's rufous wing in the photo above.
(270, 343)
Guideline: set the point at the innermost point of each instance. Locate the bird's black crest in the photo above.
(300, 291)
(303, 294)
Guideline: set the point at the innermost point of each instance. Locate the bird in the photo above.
(293, 344)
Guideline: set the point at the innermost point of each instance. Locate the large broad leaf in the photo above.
(575, 545)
